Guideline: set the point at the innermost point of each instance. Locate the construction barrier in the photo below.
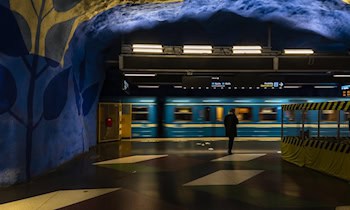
(327, 154)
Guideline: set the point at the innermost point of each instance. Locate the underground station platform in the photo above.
(175, 104)
(180, 175)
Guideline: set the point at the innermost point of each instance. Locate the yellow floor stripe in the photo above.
(182, 139)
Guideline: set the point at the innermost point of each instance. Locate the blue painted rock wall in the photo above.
(48, 95)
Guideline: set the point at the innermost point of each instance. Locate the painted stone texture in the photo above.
(47, 100)
(51, 58)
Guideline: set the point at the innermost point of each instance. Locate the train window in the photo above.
(290, 115)
(244, 113)
(329, 115)
(219, 114)
(268, 114)
(139, 113)
(183, 114)
(206, 114)
(347, 116)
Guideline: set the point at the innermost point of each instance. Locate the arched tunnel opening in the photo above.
(55, 59)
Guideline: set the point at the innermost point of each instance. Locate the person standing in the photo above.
(231, 122)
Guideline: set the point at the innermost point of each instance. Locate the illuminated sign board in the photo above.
(224, 82)
(278, 85)
(345, 89)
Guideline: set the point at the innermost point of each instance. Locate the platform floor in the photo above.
(185, 175)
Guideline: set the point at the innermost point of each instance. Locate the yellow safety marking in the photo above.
(347, 106)
(341, 105)
(329, 105)
(335, 104)
(202, 138)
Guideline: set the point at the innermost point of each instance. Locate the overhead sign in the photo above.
(224, 82)
(278, 85)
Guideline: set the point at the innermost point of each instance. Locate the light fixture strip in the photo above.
(325, 86)
(147, 48)
(188, 51)
(341, 75)
(140, 75)
(242, 101)
(273, 101)
(292, 86)
(144, 50)
(197, 47)
(298, 51)
(247, 52)
(247, 48)
(148, 86)
(213, 101)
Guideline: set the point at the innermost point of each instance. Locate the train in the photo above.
(259, 117)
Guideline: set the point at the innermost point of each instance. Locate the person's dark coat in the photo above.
(231, 122)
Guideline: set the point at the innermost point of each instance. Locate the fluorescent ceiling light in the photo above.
(273, 101)
(177, 86)
(298, 51)
(147, 48)
(211, 100)
(292, 86)
(146, 101)
(181, 101)
(325, 86)
(341, 75)
(246, 49)
(197, 49)
(148, 86)
(140, 75)
(144, 50)
(242, 101)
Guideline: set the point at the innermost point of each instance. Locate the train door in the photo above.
(213, 117)
(219, 121)
(126, 121)
(109, 122)
(207, 120)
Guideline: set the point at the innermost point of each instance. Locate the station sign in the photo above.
(278, 85)
(224, 82)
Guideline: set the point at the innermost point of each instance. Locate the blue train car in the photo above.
(196, 117)
(203, 117)
(259, 117)
(144, 116)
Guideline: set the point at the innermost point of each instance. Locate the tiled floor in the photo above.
(180, 176)
(130, 159)
(57, 199)
(225, 177)
(239, 157)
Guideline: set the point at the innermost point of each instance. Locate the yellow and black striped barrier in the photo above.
(293, 150)
(334, 105)
(328, 156)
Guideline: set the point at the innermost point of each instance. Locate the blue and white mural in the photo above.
(51, 59)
